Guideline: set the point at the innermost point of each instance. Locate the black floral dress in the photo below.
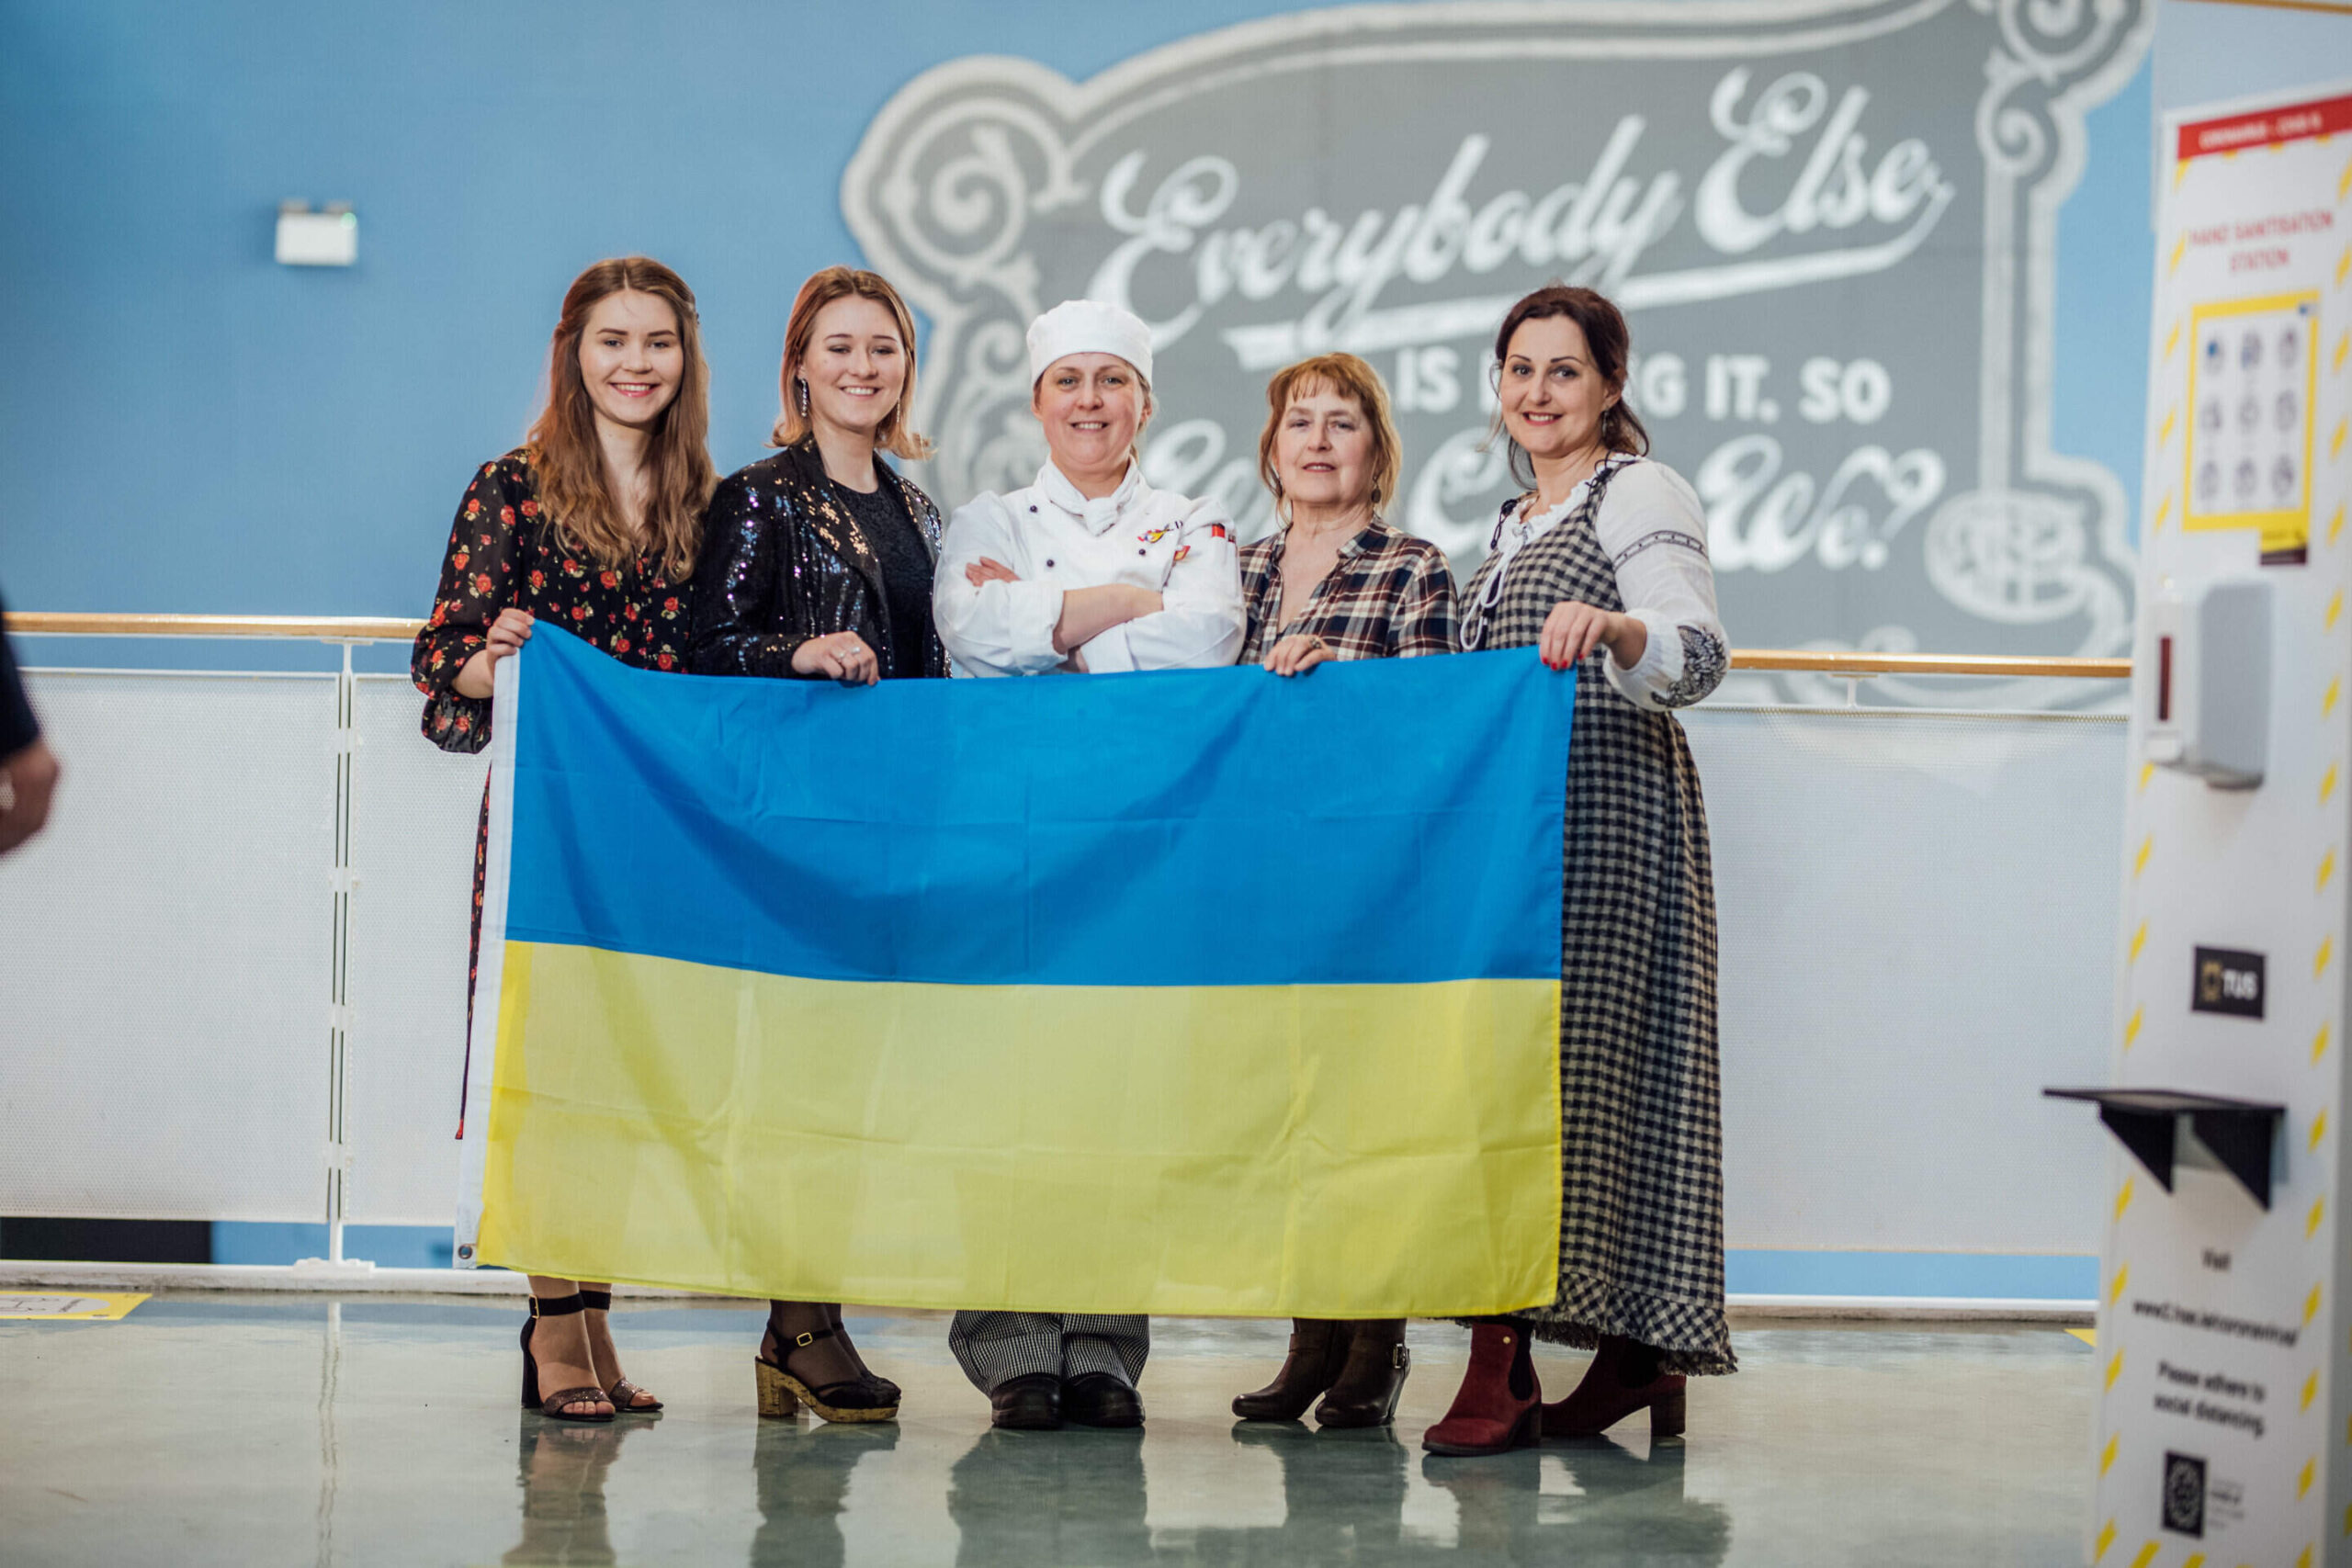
(505, 554)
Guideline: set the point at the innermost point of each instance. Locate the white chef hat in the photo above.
(1089, 326)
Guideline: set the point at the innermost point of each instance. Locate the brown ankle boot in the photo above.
(1625, 1377)
(1372, 1378)
(1318, 1349)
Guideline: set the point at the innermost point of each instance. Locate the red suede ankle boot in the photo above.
(1499, 1405)
(1610, 1393)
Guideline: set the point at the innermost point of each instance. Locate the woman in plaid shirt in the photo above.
(1337, 583)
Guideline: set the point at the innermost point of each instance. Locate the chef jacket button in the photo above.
(1032, 509)
(1142, 552)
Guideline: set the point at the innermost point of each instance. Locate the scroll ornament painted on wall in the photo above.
(1832, 228)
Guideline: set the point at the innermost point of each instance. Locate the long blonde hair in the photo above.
(894, 435)
(574, 491)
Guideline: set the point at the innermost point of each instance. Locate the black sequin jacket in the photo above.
(783, 561)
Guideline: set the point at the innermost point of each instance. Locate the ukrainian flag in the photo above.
(1190, 992)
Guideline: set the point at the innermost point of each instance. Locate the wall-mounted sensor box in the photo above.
(317, 239)
(2207, 702)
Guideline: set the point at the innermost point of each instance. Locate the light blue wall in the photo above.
(2208, 52)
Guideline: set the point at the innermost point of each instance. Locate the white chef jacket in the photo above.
(1054, 539)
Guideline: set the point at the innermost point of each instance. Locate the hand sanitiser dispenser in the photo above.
(2210, 697)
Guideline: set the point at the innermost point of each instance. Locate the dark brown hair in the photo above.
(1606, 335)
(1350, 378)
(893, 436)
(570, 460)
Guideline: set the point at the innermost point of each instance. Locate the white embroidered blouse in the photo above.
(1653, 531)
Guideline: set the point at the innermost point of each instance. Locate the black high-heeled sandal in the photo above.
(620, 1391)
(884, 1386)
(781, 1394)
(556, 1406)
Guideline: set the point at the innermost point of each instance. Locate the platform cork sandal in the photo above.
(782, 1394)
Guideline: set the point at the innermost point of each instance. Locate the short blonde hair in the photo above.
(893, 435)
(1348, 377)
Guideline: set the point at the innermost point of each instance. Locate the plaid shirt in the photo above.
(1389, 597)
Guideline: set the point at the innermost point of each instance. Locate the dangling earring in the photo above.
(804, 395)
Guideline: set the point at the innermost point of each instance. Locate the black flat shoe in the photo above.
(1097, 1399)
(1033, 1403)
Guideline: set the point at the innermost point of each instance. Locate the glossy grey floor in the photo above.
(208, 1430)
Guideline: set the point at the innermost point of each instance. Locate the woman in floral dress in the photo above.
(592, 524)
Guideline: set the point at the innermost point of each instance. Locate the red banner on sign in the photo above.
(2265, 127)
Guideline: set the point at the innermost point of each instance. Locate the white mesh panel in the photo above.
(413, 808)
(165, 952)
(1917, 919)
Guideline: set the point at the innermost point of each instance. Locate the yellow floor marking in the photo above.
(2164, 431)
(2164, 510)
(2335, 609)
(2327, 783)
(2107, 1454)
(2304, 1482)
(2310, 1227)
(2171, 338)
(2319, 1129)
(2319, 960)
(99, 1306)
(2139, 941)
(2326, 870)
(2115, 1291)
(2310, 1391)
(2132, 1027)
(2090, 1337)
(2180, 249)
(2311, 1306)
(2115, 1369)
(2147, 1555)
(2105, 1538)
(2319, 1045)
(2342, 344)
(2123, 1199)
(2147, 771)
(2140, 861)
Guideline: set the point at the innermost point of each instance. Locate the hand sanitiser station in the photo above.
(2223, 1432)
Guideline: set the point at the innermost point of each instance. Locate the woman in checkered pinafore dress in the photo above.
(1605, 569)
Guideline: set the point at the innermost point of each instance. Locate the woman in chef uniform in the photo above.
(1089, 569)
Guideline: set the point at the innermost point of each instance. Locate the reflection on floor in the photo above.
(237, 1430)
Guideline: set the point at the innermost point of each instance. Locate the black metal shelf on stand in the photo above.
(2239, 1135)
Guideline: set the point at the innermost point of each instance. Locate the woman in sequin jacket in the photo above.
(818, 567)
